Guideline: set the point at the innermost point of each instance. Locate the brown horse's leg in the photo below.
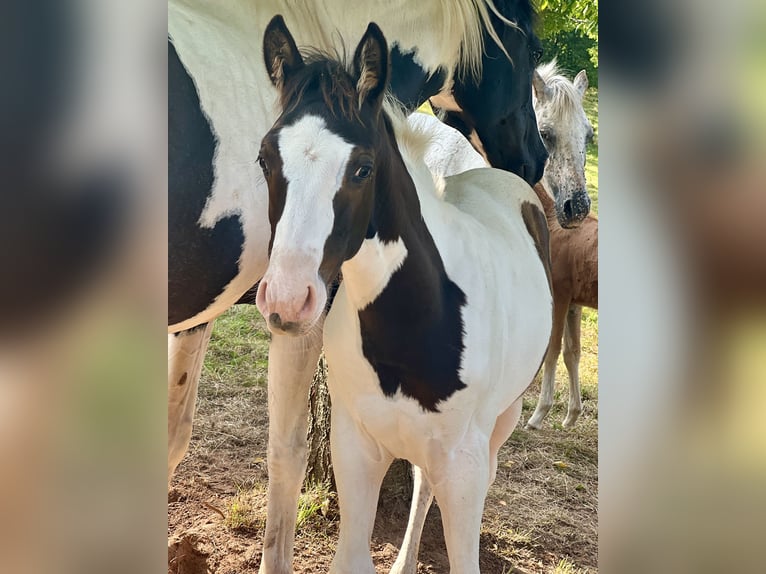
(572, 362)
(545, 401)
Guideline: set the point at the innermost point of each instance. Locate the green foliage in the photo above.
(569, 32)
(574, 15)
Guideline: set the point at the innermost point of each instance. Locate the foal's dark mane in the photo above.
(328, 73)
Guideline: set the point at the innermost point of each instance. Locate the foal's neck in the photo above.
(547, 201)
(399, 241)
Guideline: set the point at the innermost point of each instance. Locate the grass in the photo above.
(316, 503)
(246, 511)
(566, 567)
(238, 351)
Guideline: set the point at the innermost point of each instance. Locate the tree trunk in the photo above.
(319, 470)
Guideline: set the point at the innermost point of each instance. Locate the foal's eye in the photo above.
(536, 55)
(363, 172)
(262, 163)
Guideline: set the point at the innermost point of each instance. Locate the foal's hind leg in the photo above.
(422, 496)
(545, 402)
(186, 351)
(292, 362)
(407, 560)
(572, 362)
(461, 488)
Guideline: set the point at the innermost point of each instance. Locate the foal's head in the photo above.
(566, 131)
(320, 161)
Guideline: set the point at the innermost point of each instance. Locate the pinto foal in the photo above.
(444, 312)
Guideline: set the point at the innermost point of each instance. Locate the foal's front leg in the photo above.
(359, 465)
(292, 362)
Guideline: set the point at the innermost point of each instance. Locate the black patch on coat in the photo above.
(413, 343)
(410, 83)
(201, 261)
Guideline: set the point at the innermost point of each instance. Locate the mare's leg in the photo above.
(186, 352)
(572, 362)
(460, 489)
(359, 465)
(422, 496)
(545, 402)
(292, 362)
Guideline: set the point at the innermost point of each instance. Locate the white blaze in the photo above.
(313, 163)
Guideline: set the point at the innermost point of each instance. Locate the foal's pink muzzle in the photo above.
(290, 297)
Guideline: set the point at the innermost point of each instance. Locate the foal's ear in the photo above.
(581, 82)
(371, 66)
(538, 86)
(280, 53)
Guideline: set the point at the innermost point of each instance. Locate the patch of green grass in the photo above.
(247, 509)
(239, 347)
(316, 500)
(566, 567)
(590, 103)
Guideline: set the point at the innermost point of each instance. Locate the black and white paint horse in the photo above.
(444, 312)
(221, 102)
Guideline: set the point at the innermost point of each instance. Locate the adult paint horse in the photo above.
(443, 315)
(221, 102)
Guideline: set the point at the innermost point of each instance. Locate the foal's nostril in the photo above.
(309, 303)
(275, 320)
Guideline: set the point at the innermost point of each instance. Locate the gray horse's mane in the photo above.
(563, 97)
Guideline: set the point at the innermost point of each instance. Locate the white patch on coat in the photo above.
(370, 270)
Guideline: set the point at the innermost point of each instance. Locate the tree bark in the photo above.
(319, 469)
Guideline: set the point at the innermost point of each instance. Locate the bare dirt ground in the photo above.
(540, 515)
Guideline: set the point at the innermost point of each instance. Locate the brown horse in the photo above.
(574, 259)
